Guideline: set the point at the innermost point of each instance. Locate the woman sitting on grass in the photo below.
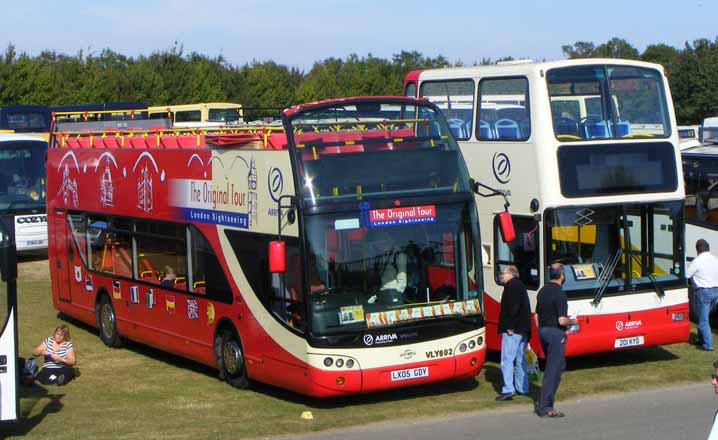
(59, 357)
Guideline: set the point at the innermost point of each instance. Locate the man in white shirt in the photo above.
(703, 271)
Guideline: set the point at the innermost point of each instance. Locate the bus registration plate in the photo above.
(628, 342)
(411, 373)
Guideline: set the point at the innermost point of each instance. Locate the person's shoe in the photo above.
(60, 380)
(553, 414)
(702, 348)
(505, 396)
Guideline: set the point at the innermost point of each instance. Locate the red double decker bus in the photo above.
(340, 255)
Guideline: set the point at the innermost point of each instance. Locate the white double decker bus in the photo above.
(588, 151)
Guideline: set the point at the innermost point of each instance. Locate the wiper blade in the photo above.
(659, 289)
(606, 276)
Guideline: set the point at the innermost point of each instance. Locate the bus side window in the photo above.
(161, 253)
(522, 252)
(456, 99)
(208, 278)
(504, 113)
(78, 228)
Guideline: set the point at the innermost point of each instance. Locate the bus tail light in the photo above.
(680, 316)
(277, 257)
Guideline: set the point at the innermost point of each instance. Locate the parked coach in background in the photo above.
(703, 271)
(515, 331)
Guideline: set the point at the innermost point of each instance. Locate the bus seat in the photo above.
(187, 141)
(376, 136)
(356, 148)
(440, 275)
(72, 142)
(169, 141)
(181, 283)
(84, 141)
(149, 275)
(596, 128)
(277, 141)
(121, 261)
(110, 141)
(199, 287)
(486, 131)
(623, 128)
(457, 127)
(507, 129)
(138, 142)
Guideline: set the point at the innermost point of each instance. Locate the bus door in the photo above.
(63, 250)
(8, 323)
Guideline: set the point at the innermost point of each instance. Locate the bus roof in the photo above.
(119, 105)
(14, 137)
(180, 107)
(522, 68)
(326, 102)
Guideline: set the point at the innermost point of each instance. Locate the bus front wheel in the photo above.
(107, 322)
(230, 359)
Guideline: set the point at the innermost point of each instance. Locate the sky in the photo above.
(298, 33)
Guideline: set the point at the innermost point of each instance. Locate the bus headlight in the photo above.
(472, 344)
(350, 363)
(462, 347)
(328, 362)
(479, 341)
(339, 363)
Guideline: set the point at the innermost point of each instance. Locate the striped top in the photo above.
(62, 352)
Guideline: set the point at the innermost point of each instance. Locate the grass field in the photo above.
(138, 392)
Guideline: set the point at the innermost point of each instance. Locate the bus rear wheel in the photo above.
(230, 359)
(107, 322)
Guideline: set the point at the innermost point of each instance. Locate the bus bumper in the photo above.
(329, 383)
(619, 331)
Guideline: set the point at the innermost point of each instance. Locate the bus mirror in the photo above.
(507, 227)
(277, 257)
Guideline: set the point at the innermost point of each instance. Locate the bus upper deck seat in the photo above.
(507, 129)
(486, 131)
(596, 128)
(623, 128)
(458, 128)
(187, 141)
(169, 141)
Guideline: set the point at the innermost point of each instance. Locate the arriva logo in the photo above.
(275, 183)
(502, 167)
(628, 325)
(368, 339)
(385, 339)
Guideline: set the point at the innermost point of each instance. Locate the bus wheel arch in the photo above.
(106, 319)
(229, 355)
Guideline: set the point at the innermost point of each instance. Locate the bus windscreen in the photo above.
(22, 175)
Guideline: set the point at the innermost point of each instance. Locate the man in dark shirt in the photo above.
(515, 330)
(552, 313)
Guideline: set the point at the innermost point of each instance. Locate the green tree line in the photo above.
(171, 76)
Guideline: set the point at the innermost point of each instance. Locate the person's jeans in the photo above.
(513, 363)
(707, 300)
(553, 342)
